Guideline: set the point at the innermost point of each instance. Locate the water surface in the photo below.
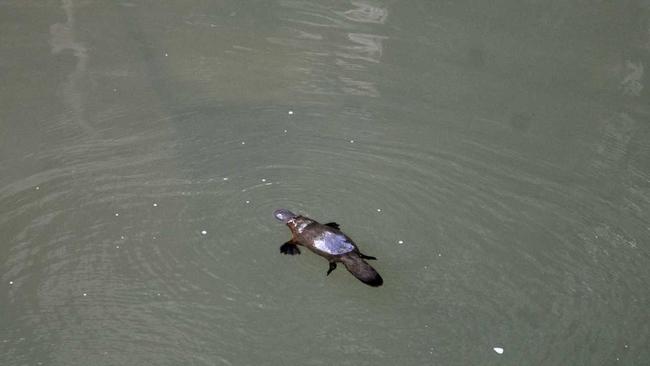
(494, 157)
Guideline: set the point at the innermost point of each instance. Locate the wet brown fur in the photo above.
(352, 261)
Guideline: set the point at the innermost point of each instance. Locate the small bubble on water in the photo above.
(263, 179)
(85, 294)
(155, 205)
(247, 201)
(203, 232)
(400, 242)
(352, 141)
(11, 282)
(290, 112)
(379, 210)
(166, 54)
(37, 188)
(285, 131)
(117, 214)
(498, 350)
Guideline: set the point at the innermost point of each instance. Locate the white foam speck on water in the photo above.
(352, 141)
(379, 210)
(247, 201)
(155, 205)
(285, 131)
(439, 254)
(400, 242)
(263, 179)
(117, 247)
(117, 214)
(166, 54)
(122, 237)
(498, 350)
(37, 188)
(203, 232)
(290, 112)
(85, 294)
(225, 178)
(11, 282)
(243, 142)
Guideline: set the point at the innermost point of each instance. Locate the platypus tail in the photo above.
(361, 270)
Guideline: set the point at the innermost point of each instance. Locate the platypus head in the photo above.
(284, 215)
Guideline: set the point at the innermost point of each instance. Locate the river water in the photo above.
(494, 157)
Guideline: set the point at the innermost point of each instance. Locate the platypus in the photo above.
(328, 242)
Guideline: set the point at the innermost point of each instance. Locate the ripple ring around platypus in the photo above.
(329, 242)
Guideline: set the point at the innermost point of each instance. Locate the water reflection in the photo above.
(343, 71)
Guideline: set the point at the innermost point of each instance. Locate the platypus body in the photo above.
(330, 243)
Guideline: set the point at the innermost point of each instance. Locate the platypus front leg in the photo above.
(333, 225)
(289, 248)
(332, 267)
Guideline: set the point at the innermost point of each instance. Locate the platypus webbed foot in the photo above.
(363, 256)
(289, 248)
(334, 225)
(332, 267)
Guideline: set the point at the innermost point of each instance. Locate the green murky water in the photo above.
(494, 157)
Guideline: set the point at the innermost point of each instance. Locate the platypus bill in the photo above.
(328, 242)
